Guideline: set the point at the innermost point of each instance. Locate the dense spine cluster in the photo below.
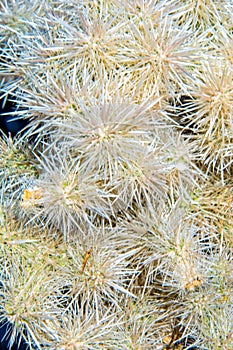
(116, 200)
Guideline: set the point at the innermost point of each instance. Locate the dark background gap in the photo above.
(10, 124)
(4, 339)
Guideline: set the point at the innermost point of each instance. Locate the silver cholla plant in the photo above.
(116, 227)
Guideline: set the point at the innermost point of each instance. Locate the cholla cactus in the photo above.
(212, 116)
(116, 200)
